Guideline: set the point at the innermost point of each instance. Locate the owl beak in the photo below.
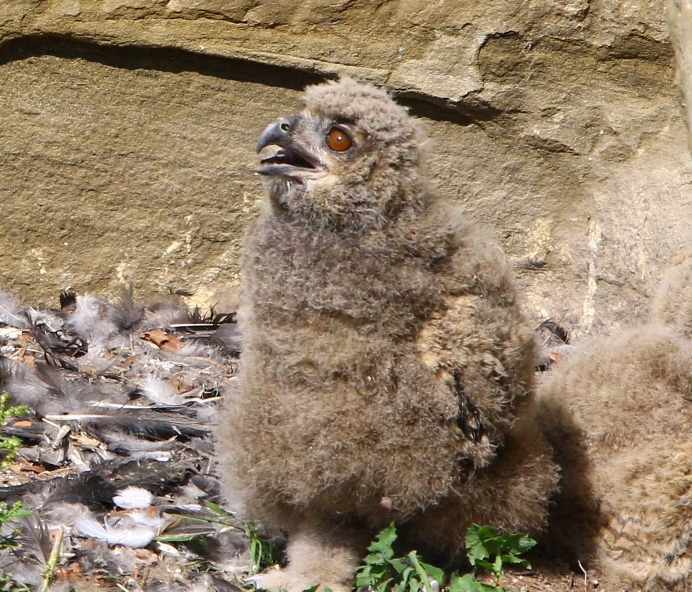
(290, 159)
(277, 133)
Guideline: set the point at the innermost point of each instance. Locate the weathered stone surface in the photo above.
(127, 126)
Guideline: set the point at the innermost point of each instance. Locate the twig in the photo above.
(49, 573)
(18, 356)
(586, 576)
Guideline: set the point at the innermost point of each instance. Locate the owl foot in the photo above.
(317, 556)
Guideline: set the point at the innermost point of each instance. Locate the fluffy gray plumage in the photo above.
(619, 413)
(386, 372)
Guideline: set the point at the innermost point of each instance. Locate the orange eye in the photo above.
(338, 140)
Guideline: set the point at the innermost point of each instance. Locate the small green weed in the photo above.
(9, 541)
(8, 512)
(486, 548)
(9, 444)
(261, 552)
(490, 550)
(8, 452)
(382, 572)
(8, 448)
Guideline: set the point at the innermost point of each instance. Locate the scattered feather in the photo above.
(11, 310)
(132, 535)
(125, 313)
(133, 498)
(167, 549)
(121, 399)
(29, 573)
(158, 391)
(89, 319)
(147, 518)
(10, 332)
(34, 537)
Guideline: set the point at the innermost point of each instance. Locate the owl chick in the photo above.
(619, 414)
(386, 372)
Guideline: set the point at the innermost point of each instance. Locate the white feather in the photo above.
(88, 526)
(166, 549)
(133, 444)
(163, 315)
(26, 388)
(159, 391)
(129, 535)
(89, 318)
(198, 350)
(191, 491)
(10, 310)
(154, 455)
(146, 518)
(66, 514)
(10, 332)
(207, 414)
(133, 498)
(135, 536)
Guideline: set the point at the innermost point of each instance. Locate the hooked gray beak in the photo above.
(290, 160)
(277, 133)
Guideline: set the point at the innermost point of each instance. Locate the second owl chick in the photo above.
(387, 371)
(619, 414)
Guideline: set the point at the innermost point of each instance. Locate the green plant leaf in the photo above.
(218, 509)
(485, 565)
(516, 560)
(465, 583)
(177, 538)
(434, 572)
(491, 551)
(476, 539)
(487, 549)
(384, 541)
(518, 543)
(400, 564)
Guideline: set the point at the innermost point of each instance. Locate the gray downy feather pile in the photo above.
(387, 372)
(117, 443)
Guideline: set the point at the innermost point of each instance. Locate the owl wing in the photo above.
(482, 355)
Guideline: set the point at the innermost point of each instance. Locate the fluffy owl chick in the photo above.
(386, 372)
(672, 304)
(619, 413)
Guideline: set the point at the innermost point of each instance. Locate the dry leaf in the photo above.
(146, 557)
(167, 342)
(85, 440)
(31, 468)
(181, 385)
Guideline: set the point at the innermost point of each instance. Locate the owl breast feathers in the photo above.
(387, 372)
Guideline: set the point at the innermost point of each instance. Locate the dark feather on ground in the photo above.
(120, 393)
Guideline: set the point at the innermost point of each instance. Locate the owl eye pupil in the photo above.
(338, 140)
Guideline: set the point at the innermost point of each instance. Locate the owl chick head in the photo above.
(351, 158)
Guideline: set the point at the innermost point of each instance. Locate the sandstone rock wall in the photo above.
(127, 127)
